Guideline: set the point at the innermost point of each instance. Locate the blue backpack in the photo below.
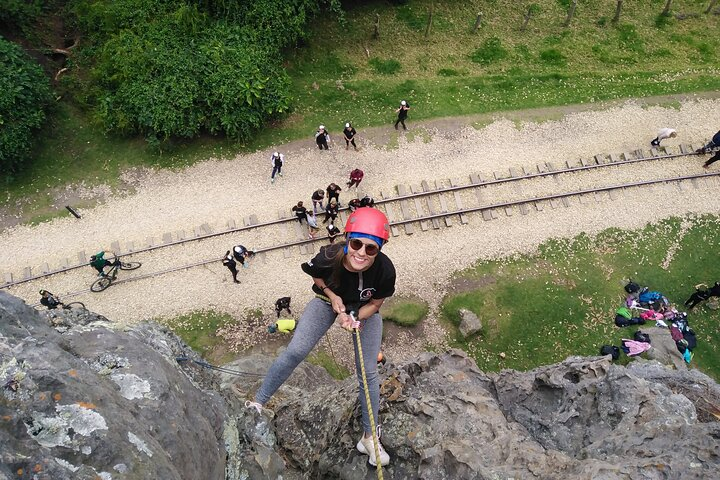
(650, 297)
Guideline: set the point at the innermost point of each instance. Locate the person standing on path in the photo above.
(662, 135)
(317, 199)
(349, 134)
(229, 262)
(322, 137)
(333, 191)
(282, 303)
(331, 212)
(299, 210)
(402, 114)
(350, 282)
(356, 177)
(277, 161)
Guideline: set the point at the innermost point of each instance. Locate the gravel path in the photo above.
(216, 191)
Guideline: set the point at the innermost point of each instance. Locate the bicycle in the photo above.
(106, 280)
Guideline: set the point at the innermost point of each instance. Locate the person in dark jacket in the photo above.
(49, 300)
(333, 232)
(322, 137)
(354, 204)
(229, 262)
(331, 212)
(402, 114)
(282, 303)
(317, 199)
(349, 134)
(701, 294)
(333, 191)
(300, 212)
(713, 143)
(277, 160)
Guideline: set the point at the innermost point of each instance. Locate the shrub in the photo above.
(20, 14)
(384, 67)
(406, 313)
(448, 72)
(24, 96)
(491, 51)
(553, 56)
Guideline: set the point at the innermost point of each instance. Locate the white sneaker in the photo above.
(365, 445)
(255, 405)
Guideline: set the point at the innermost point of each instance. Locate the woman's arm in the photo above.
(370, 308)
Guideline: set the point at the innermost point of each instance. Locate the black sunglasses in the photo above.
(370, 248)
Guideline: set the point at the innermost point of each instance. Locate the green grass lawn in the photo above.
(540, 309)
(341, 74)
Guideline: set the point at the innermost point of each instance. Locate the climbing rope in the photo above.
(376, 442)
(215, 367)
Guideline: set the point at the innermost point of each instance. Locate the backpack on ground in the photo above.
(610, 350)
(650, 297)
(641, 337)
(632, 287)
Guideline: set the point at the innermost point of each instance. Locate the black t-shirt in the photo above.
(403, 111)
(356, 288)
(318, 195)
(299, 211)
(349, 132)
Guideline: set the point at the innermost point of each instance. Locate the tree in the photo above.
(618, 10)
(24, 96)
(666, 10)
(571, 13)
(533, 9)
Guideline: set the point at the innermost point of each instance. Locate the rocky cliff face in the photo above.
(95, 403)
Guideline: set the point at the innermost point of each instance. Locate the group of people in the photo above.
(322, 136)
(709, 147)
(643, 305)
(331, 209)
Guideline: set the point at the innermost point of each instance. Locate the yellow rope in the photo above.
(376, 442)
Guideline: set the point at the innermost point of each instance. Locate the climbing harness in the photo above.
(219, 369)
(376, 441)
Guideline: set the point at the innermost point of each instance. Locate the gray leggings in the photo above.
(317, 318)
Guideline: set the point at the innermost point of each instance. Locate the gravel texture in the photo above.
(218, 190)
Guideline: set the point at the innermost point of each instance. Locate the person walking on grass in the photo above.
(277, 160)
(350, 280)
(349, 134)
(402, 114)
(300, 211)
(662, 135)
(229, 262)
(356, 177)
(322, 137)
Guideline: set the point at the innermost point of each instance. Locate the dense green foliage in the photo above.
(167, 68)
(540, 309)
(24, 95)
(19, 14)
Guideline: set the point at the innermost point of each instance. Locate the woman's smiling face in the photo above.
(357, 258)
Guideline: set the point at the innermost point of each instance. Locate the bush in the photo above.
(24, 96)
(406, 313)
(384, 67)
(553, 56)
(491, 51)
(20, 14)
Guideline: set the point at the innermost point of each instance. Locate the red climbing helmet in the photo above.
(369, 221)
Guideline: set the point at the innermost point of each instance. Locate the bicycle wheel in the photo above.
(75, 305)
(129, 265)
(101, 284)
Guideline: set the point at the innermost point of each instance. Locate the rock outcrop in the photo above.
(93, 402)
